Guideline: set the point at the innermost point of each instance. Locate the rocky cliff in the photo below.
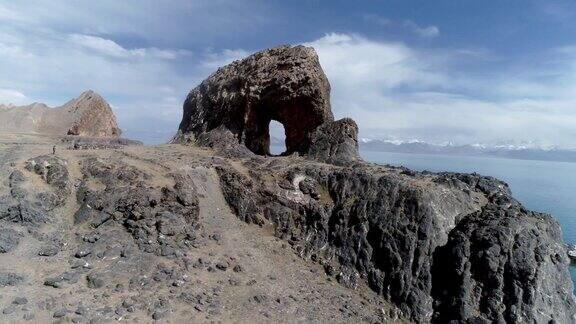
(88, 115)
(441, 247)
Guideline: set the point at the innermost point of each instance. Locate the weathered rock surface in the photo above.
(497, 266)
(88, 115)
(335, 142)
(441, 247)
(160, 219)
(285, 84)
(9, 239)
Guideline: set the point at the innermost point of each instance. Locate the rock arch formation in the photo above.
(237, 102)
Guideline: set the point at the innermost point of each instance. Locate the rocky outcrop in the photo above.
(93, 116)
(97, 143)
(446, 248)
(440, 247)
(503, 264)
(160, 219)
(285, 84)
(88, 115)
(335, 142)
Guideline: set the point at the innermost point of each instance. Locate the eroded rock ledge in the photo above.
(441, 247)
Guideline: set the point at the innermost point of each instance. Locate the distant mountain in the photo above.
(88, 115)
(523, 152)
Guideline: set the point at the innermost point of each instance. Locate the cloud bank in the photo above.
(53, 55)
(145, 64)
(393, 90)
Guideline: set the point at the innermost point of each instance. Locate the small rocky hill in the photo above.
(88, 115)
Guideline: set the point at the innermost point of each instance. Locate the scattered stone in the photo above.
(55, 282)
(260, 298)
(238, 268)
(60, 313)
(49, 251)
(222, 265)
(78, 263)
(234, 282)
(216, 237)
(71, 276)
(159, 314)
(10, 279)
(83, 253)
(81, 310)
(178, 283)
(127, 303)
(20, 301)
(95, 281)
(9, 239)
(120, 311)
(91, 238)
(9, 310)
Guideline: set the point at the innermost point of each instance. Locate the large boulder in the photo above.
(285, 84)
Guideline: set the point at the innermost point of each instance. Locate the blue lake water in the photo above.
(543, 186)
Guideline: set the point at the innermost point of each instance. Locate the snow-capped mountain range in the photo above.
(504, 149)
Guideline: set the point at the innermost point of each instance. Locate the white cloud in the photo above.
(392, 89)
(213, 60)
(350, 60)
(7, 14)
(111, 48)
(168, 21)
(426, 32)
(9, 96)
(54, 55)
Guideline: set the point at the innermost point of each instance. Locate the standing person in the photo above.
(53, 149)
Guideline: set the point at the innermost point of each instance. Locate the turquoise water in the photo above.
(543, 186)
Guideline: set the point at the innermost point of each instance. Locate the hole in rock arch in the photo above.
(277, 138)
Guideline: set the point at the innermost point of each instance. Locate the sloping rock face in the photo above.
(93, 116)
(88, 115)
(285, 84)
(335, 142)
(503, 264)
(443, 248)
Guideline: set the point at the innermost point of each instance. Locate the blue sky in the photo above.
(437, 71)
